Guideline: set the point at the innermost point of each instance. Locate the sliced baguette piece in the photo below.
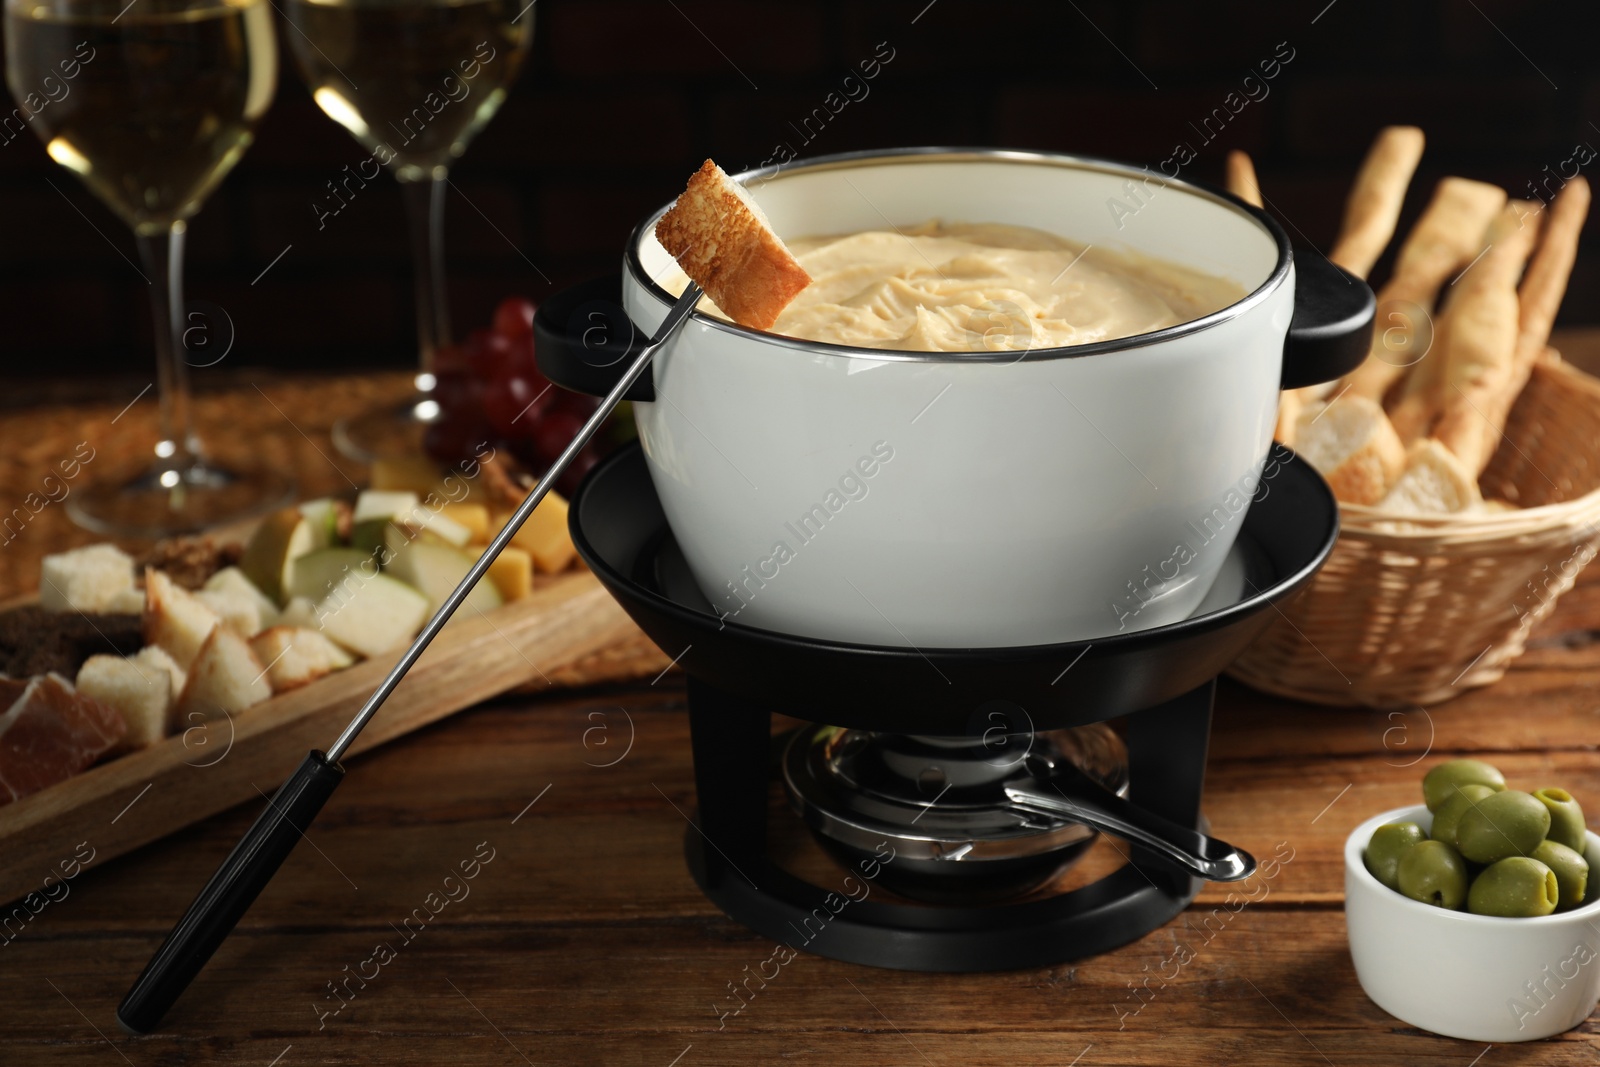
(174, 618)
(1434, 482)
(140, 691)
(1351, 444)
(722, 239)
(226, 678)
(296, 656)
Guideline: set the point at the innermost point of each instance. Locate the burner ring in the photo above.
(859, 791)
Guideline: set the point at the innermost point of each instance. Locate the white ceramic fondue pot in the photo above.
(983, 498)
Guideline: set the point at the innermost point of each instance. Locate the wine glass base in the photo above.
(386, 432)
(165, 501)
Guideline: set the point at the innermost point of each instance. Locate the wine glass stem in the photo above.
(425, 216)
(162, 255)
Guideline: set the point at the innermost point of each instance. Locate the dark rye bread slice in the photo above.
(722, 240)
(36, 641)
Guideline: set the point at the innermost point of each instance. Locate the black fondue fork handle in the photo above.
(1064, 791)
(229, 894)
(256, 858)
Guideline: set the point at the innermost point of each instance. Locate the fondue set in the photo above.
(1022, 546)
(1028, 546)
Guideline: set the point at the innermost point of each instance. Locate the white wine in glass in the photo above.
(413, 81)
(151, 103)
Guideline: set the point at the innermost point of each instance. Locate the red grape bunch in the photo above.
(490, 389)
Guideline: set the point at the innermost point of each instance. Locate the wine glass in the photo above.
(413, 81)
(151, 103)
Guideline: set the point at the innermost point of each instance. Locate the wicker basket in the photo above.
(1416, 612)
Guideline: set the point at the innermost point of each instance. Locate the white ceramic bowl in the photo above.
(1474, 977)
(970, 499)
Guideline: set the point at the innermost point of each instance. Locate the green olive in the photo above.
(1510, 823)
(1439, 784)
(1388, 843)
(1516, 887)
(1433, 872)
(1566, 818)
(1448, 816)
(1571, 871)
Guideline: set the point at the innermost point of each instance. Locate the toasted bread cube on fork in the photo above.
(722, 239)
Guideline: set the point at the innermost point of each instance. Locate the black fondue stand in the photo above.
(1161, 681)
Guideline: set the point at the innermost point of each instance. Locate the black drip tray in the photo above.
(621, 533)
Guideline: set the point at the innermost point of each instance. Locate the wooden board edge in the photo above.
(128, 802)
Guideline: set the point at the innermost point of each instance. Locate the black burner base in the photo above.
(728, 857)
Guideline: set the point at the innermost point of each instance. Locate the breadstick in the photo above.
(1370, 216)
(1474, 419)
(1478, 344)
(1373, 209)
(1242, 178)
(1443, 241)
(1242, 182)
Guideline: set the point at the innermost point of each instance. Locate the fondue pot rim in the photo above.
(634, 264)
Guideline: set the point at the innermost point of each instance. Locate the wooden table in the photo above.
(584, 940)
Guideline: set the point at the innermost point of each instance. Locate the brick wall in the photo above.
(623, 97)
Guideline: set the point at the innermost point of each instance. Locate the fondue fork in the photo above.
(262, 850)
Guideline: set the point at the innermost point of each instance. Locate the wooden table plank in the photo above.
(586, 941)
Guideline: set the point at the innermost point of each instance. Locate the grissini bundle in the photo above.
(1476, 339)
(1444, 240)
(1479, 399)
(1371, 214)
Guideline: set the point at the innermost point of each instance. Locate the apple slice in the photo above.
(436, 570)
(373, 509)
(318, 573)
(269, 557)
(372, 616)
(325, 515)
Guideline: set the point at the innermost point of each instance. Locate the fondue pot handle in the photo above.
(1332, 326)
(583, 340)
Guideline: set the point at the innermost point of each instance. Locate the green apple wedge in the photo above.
(323, 515)
(436, 570)
(375, 507)
(326, 570)
(372, 614)
(269, 557)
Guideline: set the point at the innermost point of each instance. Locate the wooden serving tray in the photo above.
(127, 802)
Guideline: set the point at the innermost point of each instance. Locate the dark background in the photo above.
(622, 98)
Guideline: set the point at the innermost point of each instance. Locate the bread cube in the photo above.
(87, 579)
(141, 692)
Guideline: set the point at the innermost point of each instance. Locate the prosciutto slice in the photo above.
(49, 732)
